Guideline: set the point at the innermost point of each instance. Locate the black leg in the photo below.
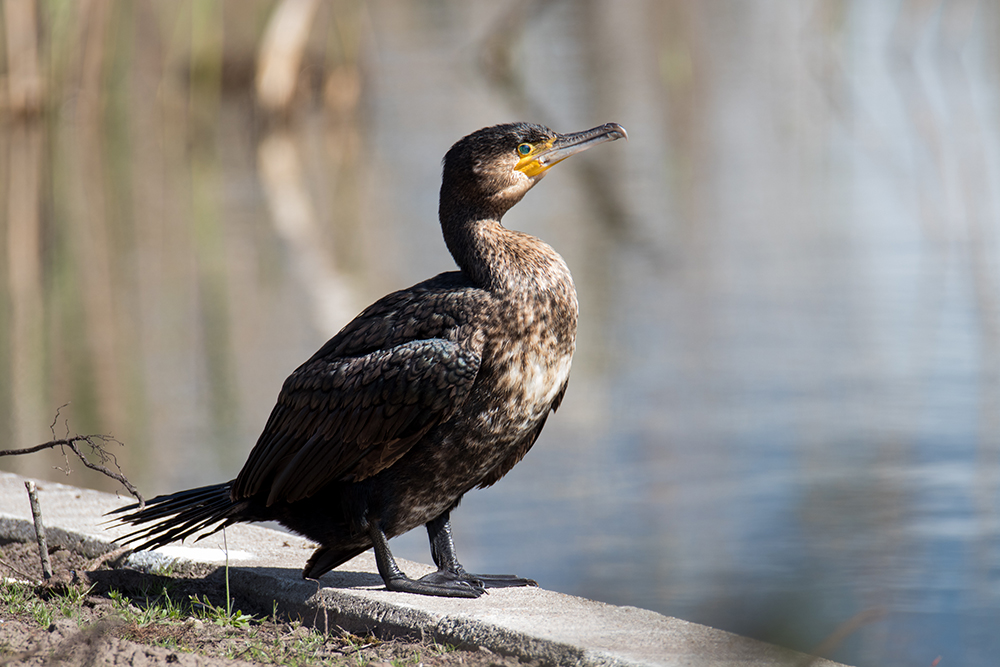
(442, 546)
(431, 584)
(443, 553)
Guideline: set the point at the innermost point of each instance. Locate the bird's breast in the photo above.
(533, 374)
(533, 351)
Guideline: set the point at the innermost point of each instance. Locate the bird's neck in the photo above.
(502, 260)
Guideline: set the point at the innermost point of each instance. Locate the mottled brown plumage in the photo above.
(430, 392)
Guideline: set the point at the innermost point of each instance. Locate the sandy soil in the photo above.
(93, 614)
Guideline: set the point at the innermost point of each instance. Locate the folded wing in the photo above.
(350, 417)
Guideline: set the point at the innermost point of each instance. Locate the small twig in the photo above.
(101, 469)
(55, 420)
(96, 563)
(36, 514)
(18, 572)
(73, 444)
(359, 649)
(229, 600)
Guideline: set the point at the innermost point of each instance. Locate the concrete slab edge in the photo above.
(327, 610)
(512, 622)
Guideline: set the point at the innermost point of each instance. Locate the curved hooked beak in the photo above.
(564, 145)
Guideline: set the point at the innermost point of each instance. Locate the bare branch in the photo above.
(51, 444)
(105, 456)
(95, 443)
(36, 514)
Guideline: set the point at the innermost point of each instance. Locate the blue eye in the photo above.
(524, 149)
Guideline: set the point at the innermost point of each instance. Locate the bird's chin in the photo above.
(516, 190)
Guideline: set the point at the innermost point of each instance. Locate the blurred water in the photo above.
(784, 418)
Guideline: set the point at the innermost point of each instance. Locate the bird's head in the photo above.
(494, 167)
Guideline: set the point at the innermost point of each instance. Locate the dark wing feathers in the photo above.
(363, 400)
(322, 431)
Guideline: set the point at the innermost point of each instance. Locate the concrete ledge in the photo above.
(530, 623)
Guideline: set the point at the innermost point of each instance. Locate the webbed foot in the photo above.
(502, 580)
(461, 584)
(442, 582)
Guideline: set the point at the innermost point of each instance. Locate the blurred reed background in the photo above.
(784, 418)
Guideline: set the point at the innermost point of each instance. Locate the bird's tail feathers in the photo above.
(177, 516)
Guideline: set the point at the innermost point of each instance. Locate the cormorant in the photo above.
(430, 392)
